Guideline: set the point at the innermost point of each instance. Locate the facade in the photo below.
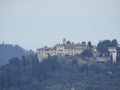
(113, 53)
(66, 48)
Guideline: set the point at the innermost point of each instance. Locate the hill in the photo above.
(7, 51)
(59, 73)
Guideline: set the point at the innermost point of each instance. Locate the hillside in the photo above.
(7, 51)
(59, 73)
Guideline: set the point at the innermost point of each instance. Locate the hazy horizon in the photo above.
(33, 24)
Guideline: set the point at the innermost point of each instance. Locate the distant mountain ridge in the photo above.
(8, 51)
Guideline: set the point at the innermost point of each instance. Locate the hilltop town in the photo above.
(72, 49)
(65, 66)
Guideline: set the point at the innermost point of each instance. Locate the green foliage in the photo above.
(102, 46)
(68, 42)
(87, 53)
(8, 51)
(114, 43)
(59, 73)
(118, 55)
(89, 45)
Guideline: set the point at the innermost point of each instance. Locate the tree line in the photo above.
(57, 73)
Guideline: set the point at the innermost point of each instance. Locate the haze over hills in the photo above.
(8, 51)
(35, 24)
(81, 71)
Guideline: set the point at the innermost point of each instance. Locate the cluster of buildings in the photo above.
(68, 48)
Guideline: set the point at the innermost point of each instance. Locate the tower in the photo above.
(113, 53)
(64, 41)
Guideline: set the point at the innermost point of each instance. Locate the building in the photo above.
(66, 48)
(113, 53)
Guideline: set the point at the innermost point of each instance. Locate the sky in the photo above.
(35, 23)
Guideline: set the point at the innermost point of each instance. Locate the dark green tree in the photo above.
(102, 46)
(114, 43)
(89, 45)
(68, 42)
(87, 53)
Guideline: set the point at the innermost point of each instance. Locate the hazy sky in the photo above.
(35, 23)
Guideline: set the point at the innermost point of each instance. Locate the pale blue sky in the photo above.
(35, 23)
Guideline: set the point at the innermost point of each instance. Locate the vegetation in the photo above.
(59, 73)
(87, 53)
(102, 46)
(81, 72)
(8, 51)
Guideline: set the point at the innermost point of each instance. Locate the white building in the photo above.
(61, 50)
(113, 53)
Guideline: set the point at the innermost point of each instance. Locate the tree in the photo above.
(15, 62)
(89, 45)
(102, 47)
(118, 52)
(87, 53)
(74, 61)
(114, 43)
(68, 42)
(59, 74)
